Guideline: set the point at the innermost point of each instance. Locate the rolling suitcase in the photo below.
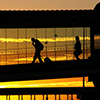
(47, 60)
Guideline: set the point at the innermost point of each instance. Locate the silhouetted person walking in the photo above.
(77, 48)
(38, 47)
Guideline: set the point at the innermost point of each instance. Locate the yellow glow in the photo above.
(43, 39)
(97, 38)
(40, 97)
(59, 84)
(63, 82)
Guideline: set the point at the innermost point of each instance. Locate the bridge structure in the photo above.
(51, 19)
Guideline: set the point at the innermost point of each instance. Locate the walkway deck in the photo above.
(61, 69)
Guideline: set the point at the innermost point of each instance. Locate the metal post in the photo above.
(31, 97)
(26, 42)
(83, 81)
(46, 96)
(66, 41)
(6, 97)
(71, 96)
(83, 48)
(83, 41)
(18, 44)
(36, 33)
(67, 96)
(43, 96)
(73, 41)
(6, 45)
(59, 96)
(46, 40)
(34, 96)
(18, 97)
(21, 97)
(55, 42)
(9, 97)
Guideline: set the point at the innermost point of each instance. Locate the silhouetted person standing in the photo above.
(77, 48)
(38, 47)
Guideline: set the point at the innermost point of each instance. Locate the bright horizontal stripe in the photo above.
(58, 39)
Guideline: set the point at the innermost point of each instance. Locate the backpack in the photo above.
(39, 44)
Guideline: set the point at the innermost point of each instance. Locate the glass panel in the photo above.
(2, 39)
(22, 56)
(70, 43)
(22, 37)
(50, 41)
(17, 43)
(13, 97)
(87, 43)
(12, 55)
(31, 33)
(96, 41)
(3, 60)
(41, 35)
(11, 38)
(26, 97)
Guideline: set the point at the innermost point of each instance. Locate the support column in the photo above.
(59, 96)
(6, 97)
(18, 97)
(31, 97)
(43, 96)
(55, 96)
(34, 96)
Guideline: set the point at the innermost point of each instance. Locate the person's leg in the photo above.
(39, 57)
(76, 55)
(34, 58)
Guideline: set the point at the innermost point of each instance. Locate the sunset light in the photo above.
(58, 39)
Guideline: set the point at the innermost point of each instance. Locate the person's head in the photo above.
(77, 38)
(32, 39)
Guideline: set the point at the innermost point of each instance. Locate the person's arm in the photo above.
(75, 46)
(33, 44)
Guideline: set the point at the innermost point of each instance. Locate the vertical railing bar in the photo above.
(66, 41)
(55, 96)
(46, 40)
(71, 96)
(55, 42)
(9, 97)
(18, 44)
(67, 96)
(43, 96)
(59, 96)
(73, 41)
(31, 97)
(83, 49)
(18, 97)
(36, 33)
(26, 42)
(34, 96)
(21, 97)
(83, 40)
(46, 96)
(6, 44)
(86, 42)
(6, 97)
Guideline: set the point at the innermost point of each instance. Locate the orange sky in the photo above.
(47, 4)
